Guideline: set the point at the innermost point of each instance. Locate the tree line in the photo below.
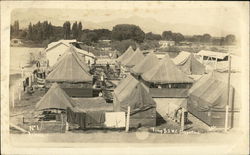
(46, 32)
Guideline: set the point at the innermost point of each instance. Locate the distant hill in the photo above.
(155, 26)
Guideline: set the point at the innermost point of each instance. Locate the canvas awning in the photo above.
(91, 104)
(55, 98)
(166, 72)
(213, 54)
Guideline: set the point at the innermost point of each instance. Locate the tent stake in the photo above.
(228, 93)
(127, 122)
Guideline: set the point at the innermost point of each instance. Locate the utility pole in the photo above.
(228, 93)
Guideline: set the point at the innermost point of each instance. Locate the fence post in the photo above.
(127, 121)
(13, 98)
(67, 127)
(22, 72)
(30, 81)
(182, 119)
(19, 91)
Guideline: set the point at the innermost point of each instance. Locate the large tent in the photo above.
(208, 99)
(72, 50)
(166, 72)
(135, 94)
(70, 69)
(134, 59)
(186, 62)
(146, 64)
(125, 55)
(55, 98)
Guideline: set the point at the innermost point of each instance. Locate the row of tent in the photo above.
(207, 101)
(166, 70)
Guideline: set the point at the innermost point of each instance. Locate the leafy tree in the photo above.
(177, 37)
(79, 29)
(30, 32)
(75, 30)
(167, 35)
(230, 39)
(152, 36)
(88, 37)
(103, 34)
(206, 38)
(126, 31)
(197, 38)
(14, 29)
(66, 29)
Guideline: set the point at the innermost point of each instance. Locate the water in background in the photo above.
(20, 56)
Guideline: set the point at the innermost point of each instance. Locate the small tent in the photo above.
(186, 62)
(208, 99)
(55, 98)
(146, 64)
(125, 55)
(135, 94)
(166, 72)
(134, 59)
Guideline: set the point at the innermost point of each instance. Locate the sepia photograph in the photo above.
(143, 77)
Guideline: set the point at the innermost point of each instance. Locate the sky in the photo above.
(221, 16)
